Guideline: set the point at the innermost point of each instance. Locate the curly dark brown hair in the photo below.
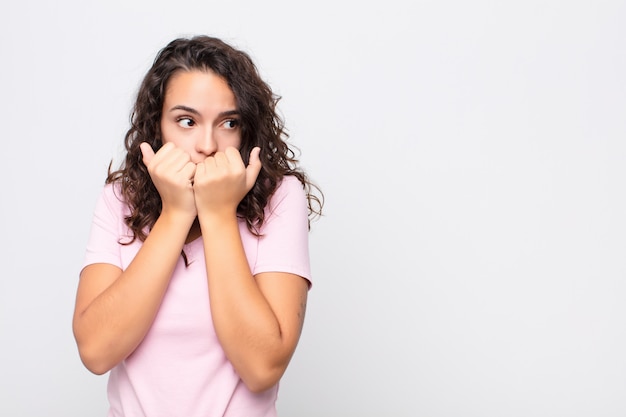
(260, 126)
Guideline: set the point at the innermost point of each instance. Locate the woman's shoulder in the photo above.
(289, 184)
(289, 196)
(112, 191)
(111, 197)
(289, 188)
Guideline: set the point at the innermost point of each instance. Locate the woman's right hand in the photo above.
(172, 173)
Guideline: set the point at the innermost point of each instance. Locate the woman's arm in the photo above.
(114, 308)
(258, 319)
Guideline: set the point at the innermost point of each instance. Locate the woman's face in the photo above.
(200, 115)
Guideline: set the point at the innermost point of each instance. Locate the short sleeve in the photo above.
(103, 244)
(284, 242)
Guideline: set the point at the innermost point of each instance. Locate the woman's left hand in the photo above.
(221, 181)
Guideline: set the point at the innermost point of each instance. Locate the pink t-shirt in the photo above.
(180, 369)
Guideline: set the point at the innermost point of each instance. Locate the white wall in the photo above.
(471, 260)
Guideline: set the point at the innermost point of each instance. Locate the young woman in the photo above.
(195, 280)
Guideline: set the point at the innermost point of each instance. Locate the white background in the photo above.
(472, 153)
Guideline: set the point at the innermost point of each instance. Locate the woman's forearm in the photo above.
(249, 330)
(115, 308)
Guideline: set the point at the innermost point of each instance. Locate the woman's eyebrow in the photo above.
(196, 112)
(229, 113)
(185, 108)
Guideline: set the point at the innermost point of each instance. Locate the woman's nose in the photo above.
(206, 144)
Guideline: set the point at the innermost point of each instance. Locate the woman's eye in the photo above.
(185, 122)
(231, 124)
